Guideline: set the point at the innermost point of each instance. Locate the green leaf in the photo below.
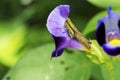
(116, 68)
(98, 76)
(99, 3)
(91, 26)
(105, 72)
(12, 38)
(38, 36)
(111, 73)
(3, 71)
(36, 65)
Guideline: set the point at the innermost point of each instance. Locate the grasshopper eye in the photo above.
(100, 33)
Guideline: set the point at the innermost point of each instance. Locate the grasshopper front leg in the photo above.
(70, 31)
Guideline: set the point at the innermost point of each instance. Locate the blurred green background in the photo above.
(26, 45)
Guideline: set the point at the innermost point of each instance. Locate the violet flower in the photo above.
(108, 33)
(56, 26)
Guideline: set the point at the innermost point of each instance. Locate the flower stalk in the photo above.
(109, 66)
(108, 71)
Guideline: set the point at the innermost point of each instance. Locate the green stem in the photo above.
(110, 69)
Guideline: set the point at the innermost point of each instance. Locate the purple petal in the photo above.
(100, 32)
(57, 53)
(73, 43)
(111, 50)
(56, 21)
(64, 42)
(59, 46)
(111, 22)
(109, 10)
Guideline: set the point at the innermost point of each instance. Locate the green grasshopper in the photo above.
(74, 33)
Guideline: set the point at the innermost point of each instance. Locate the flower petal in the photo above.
(56, 21)
(57, 53)
(111, 50)
(100, 32)
(63, 42)
(73, 43)
(111, 22)
(59, 46)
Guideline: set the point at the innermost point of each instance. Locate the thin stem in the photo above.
(110, 69)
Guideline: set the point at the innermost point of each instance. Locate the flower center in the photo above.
(113, 35)
(113, 38)
(115, 42)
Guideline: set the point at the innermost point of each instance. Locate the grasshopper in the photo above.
(74, 33)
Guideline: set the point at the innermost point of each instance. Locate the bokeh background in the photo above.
(26, 45)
